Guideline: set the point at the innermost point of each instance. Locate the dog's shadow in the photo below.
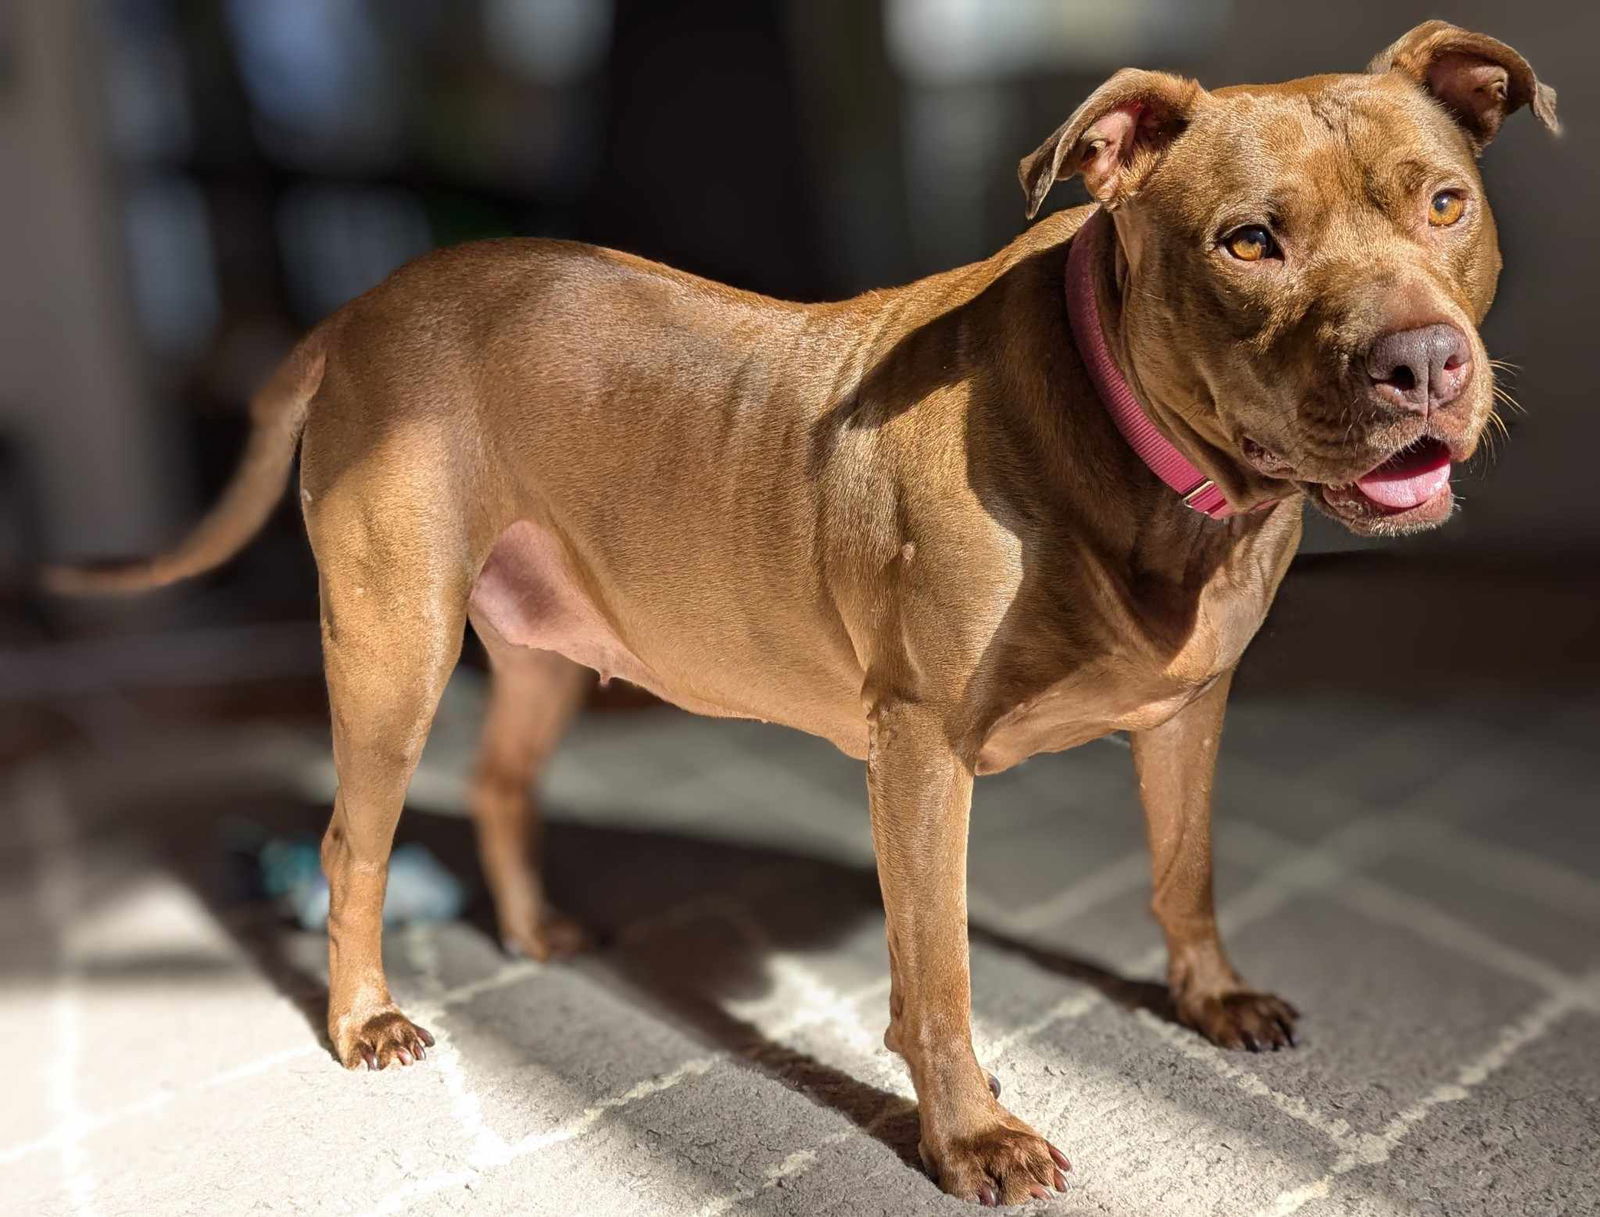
(686, 926)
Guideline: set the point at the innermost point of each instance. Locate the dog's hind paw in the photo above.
(1241, 1020)
(385, 1037)
(556, 936)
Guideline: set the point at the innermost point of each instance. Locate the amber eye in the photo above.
(1446, 208)
(1250, 243)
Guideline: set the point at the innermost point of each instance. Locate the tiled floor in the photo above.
(1407, 850)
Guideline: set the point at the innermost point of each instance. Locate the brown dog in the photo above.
(905, 522)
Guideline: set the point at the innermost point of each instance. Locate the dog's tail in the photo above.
(278, 413)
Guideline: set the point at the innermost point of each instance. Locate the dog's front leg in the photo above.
(1175, 763)
(921, 793)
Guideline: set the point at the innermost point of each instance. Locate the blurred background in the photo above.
(187, 185)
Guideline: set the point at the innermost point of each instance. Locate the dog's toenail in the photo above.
(1060, 1158)
(994, 1085)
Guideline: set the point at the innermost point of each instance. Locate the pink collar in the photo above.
(1154, 449)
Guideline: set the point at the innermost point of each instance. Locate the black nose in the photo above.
(1420, 369)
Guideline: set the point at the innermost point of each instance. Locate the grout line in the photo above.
(1374, 1150)
(795, 1165)
(1374, 898)
(509, 973)
(1329, 860)
(1307, 868)
(1510, 869)
(1106, 883)
(1383, 902)
(422, 946)
(52, 830)
(815, 995)
(1347, 847)
(1221, 1063)
(401, 1198)
(1314, 868)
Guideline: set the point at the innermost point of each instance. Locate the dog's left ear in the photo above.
(1114, 139)
(1477, 78)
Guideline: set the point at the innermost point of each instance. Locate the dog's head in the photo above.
(1303, 266)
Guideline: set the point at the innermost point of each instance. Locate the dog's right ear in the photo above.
(1115, 138)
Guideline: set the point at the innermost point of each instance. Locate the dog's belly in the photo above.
(530, 596)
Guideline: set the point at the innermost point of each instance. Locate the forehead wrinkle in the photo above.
(1338, 150)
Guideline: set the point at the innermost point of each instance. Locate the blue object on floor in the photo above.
(420, 888)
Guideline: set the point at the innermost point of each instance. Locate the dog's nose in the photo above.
(1420, 369)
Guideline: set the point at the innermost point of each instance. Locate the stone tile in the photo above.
(709, 1140)
(759, 967)
(749, 799)
(38, 1186)
(1523, 1143)
(1151, 1130)
(1386, 1014)
(731, 864)
(28, 1014)
(1114, 934)
(1093, 780)
(805, 757)
(1543, 790)
(859, 1176)
(1298, 736)
(304, 1137)
(540, 1051)
(1015, 869)
(1536, 928)
(169, 1032)
(1300, 810)
(1406, 756)
(461, 953)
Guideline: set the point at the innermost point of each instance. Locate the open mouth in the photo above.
(1411, 487)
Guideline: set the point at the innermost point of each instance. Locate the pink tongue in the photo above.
(1409, 479)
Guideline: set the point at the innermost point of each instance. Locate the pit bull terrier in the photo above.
(1000, 511)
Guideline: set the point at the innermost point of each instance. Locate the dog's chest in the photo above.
(1148, 659)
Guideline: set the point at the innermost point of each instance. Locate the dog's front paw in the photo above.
(376, 1041)
(1004, 1163)
(1241, 1020)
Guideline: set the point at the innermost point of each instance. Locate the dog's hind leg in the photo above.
(533, 696)
(1175, 762)
(394, 581)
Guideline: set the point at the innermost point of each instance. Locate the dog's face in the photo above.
(1303, 266)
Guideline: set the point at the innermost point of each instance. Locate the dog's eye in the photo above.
(1446, 208)
(1250, 243)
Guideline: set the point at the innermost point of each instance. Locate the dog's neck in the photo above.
(1191, 428)
(1149, 442)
